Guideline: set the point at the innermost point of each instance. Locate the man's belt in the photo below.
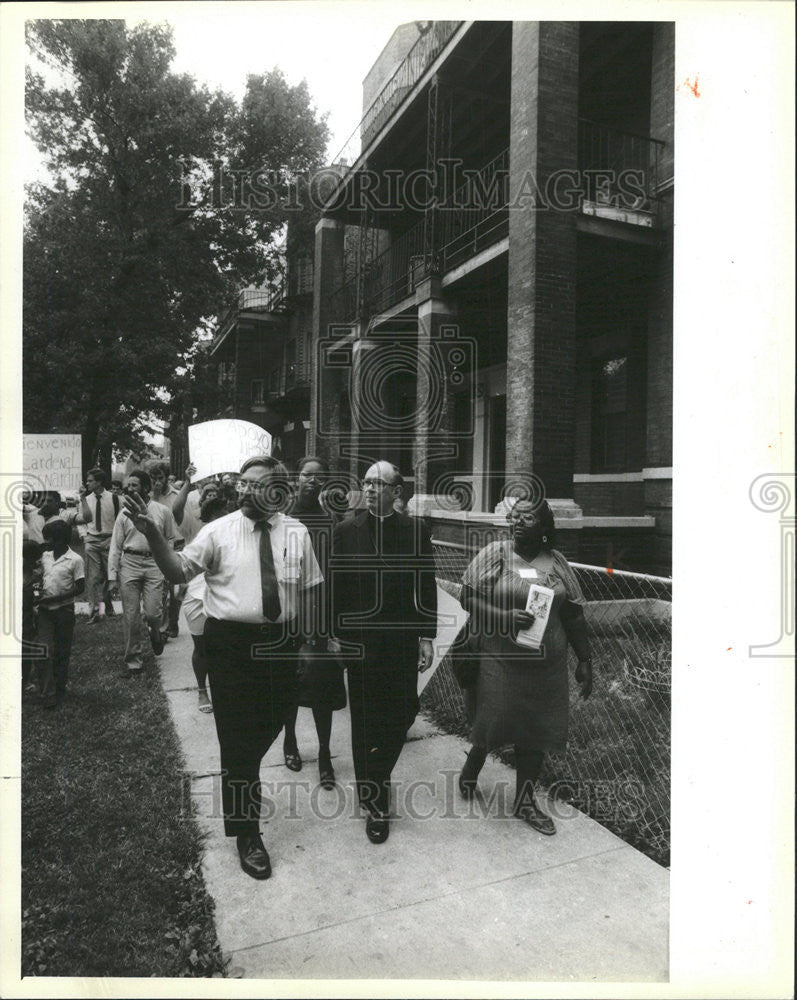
(98, 537)
(137, 552)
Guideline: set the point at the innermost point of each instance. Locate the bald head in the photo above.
(381, 486)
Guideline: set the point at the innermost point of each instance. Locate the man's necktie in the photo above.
(268, 576)
(98, 514)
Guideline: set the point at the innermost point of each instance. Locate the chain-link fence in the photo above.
(617, 764)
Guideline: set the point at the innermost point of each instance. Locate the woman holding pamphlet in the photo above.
(525, 606)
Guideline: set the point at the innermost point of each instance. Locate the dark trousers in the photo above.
(252, 691)
(56, 628)
(383, 701)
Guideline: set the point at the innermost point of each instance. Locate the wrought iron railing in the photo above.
(405, 76)
(392, 94)
(476, 216)
(393, 275)
(618, 170)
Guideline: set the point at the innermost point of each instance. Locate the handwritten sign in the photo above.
(224, 445)
(52, 462)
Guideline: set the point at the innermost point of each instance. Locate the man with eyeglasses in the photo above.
(261, 589)
(384, 599)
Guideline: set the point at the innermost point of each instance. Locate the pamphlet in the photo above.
(538, 603)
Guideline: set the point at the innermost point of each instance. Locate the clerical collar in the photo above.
(382, 517)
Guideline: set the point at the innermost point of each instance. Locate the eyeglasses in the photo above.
(245, 486)
(377, 484)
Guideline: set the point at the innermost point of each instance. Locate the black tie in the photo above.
(268, 576)
(98, 515)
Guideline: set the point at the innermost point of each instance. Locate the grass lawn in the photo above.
(111, 883)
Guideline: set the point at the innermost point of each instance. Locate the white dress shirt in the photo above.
(88, 513)
(227, 551)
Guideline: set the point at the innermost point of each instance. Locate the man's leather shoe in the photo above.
(254, 856)
(377, 828)
(109, 611)
(156, 639)
(94, 617)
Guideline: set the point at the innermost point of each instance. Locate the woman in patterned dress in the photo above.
(521, 695)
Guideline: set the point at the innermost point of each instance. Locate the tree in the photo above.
(142, 233)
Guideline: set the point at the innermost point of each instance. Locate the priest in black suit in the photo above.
(384, 599)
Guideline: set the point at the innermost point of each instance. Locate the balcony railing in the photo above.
(476, 215)
(405, 76)
(619, 171)
(408, 72)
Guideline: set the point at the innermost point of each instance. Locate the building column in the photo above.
(541, 346)
(434, 451)
(325, 391)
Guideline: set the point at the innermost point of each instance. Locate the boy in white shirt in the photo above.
(63, 578)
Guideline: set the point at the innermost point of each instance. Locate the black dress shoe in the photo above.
(254, 856)
(377, 828)
(156, 639)
(326, 772)
(292, 760)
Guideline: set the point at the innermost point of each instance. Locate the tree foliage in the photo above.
(140, 235)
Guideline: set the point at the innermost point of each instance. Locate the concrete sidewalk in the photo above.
(459, 891)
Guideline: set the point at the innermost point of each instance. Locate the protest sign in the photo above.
(52, 462)
(224, 445)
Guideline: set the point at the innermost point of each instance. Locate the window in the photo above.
(258, 392)
(226, 374)
(274, 381)
(610, 412)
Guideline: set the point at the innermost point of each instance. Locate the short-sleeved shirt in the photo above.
(32, 524)
(60, 575)
(227, 551)
(127, 537)
(167, 500)
(191, 524)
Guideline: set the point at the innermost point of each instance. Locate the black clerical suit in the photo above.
(384, 599)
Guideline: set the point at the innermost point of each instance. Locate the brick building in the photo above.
(492, 290)
(261, 350)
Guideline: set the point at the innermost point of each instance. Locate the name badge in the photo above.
(528, 573)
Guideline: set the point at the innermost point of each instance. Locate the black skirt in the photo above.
(321, 684)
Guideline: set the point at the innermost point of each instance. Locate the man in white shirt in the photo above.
(98, 510)
(261, 580)
(131, 563)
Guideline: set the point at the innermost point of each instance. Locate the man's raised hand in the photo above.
(136, 509)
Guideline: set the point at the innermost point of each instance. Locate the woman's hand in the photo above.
(584, 677)
(518, 620)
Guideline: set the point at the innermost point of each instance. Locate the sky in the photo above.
(333, 53)
(219, 44)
